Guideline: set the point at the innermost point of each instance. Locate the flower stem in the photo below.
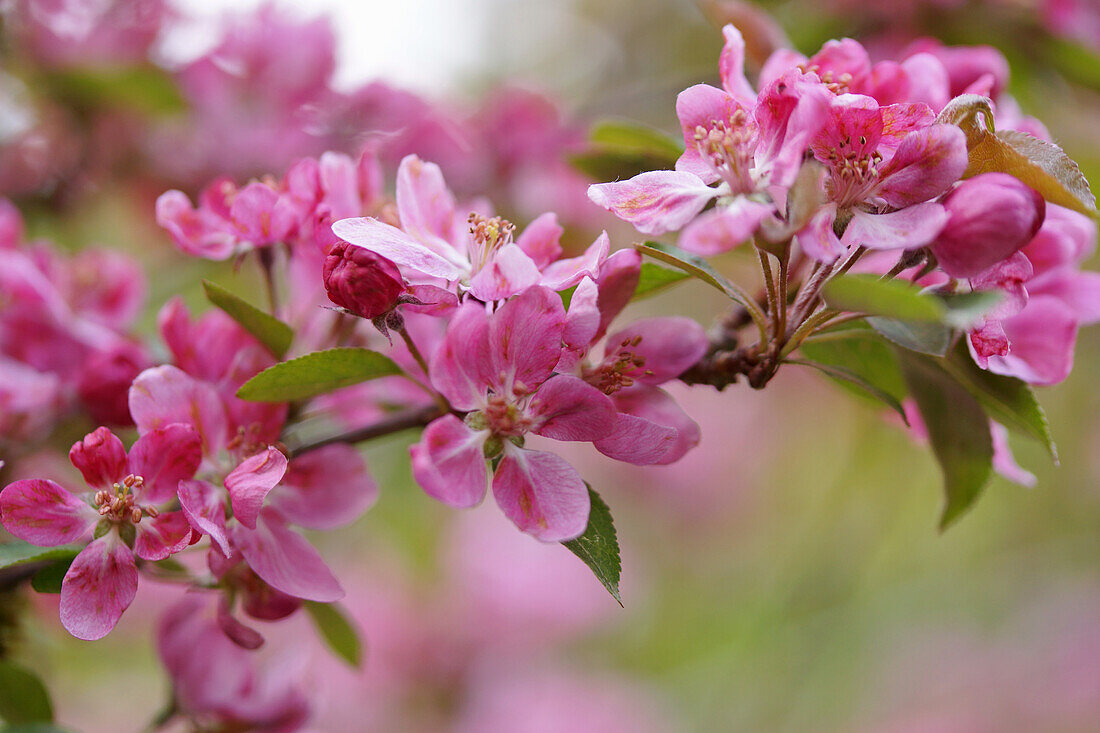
(406, 420)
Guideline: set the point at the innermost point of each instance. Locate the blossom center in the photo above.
(617, 370)
(506, 418)
(728, 146)
(120, 504)
(854, 173)
(835, 83)
(489, 234)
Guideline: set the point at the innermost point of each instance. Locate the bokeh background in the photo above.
(786, 576)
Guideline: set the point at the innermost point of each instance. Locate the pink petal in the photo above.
(926, 163)
(928, 81)
(100, 457)
(252, 210)
(542, 494)
(165, 395)
(790, 113)
(724, 227)
(818, 240)
(164, 457)
(781, 61)
(397, 247)
(1041, 340)
(1004, 462)
(853, 126)
(525, 336)
(249, 483)
(42, 513)
(1078, 290)
(898, 120)
(161, 536)
(651, 429)
(731, 66)
(285, 560)
(697, 106)
(668, 346)
(462, 368)
(195, 231)
(617, 282)
(582, 323)
(908, 228)
(541, 239)
(326, 488)
(840, 58)
(568, 272)
(100, 584)
(654, 202)
(424, 204)
(449, 462)
(569, 408)
(241, 635)
(204, 506)
(510, 271)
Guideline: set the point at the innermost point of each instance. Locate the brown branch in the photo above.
(407, 420)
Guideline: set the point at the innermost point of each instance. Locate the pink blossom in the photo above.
(360, 281)
(79, 33)
(122, 491)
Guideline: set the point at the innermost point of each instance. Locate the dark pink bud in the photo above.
(361, 281)
(100, 457)
(991, 216)
(104, 386)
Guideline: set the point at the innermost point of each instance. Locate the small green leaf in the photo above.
(146, 89)
(599, 547)
(337, 630)
(846, 376)
(23, 697)
(699, 268)
(620, 149)
(268, 330)
(1009, 401)
(317, 373)
(654, 278)
(21, 553)
(874, 296)
(933, 339)
(965, 310)
(48, 579)
(866, 357)
(958, 430)
(33, 728)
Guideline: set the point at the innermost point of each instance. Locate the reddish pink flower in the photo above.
(124, 500)
(498, 369)
(361, 281)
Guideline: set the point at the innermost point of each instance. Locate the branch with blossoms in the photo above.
(914, 241)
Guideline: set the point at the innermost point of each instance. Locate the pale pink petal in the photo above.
(651, 429)
(285, 560)
(100, 457)
(397, 247)
(195, 231)
(818, 239)
(542, 494)
(525, 336)
(100, 584)
(252, 210)
(1004, 462)
(617, 282)
(326, 488)
(568, 408)
(541, 239)
(161, 536)
(839, 60)
(510, 271)
(1041, 340)
(1078, 290)
(929, 82)
(724, 227)
(780, 62)
(249, 483)
(697, 106)
(854, 126)
(908, 228)
(731, 66)
(462, 368)
(926, 163)
(656, 201)
(667, 346)
(165, 395)
(204, 506)
(898, 120)
(164, 457)
(42, 513)
(568, 272)
(449, 462)
(790, 113)
(424, 203)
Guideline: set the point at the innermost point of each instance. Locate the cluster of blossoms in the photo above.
(425, 310)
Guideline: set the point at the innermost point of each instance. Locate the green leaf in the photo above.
(965, 310)
(870, 360)
(146, 89)
(317, 373)
(23, 697)
(654, 279)
(21, 553)
(958, 430)
(337, 630)
(897, 299)
(599, 547)
(33, 728)
(699, 268)
(1009, 401)
(269, 330)
(48, 579)
(846, 377)
(621, 149)
(635, 137)
(933, 339)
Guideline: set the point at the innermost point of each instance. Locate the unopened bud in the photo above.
(361, 281)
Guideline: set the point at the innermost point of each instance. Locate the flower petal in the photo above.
(425, 205)
(100, 584)
(908, 228)
(926, 163)
(42, 513)
(731, 66)
(652, 429)
(542, 494)
(397, 247)
(204, 506)
(449, 462)
(161, 536)
(165, 395)
(510, 271)
(655, 202)
(100, 457)
(571, 409)
(326, 488)
(249, 483)
(541, 239)
(668, 345)
(568, 272)
(818, 239)
(462, 367)
(164, 457)
(725, 227)
(525, 336)
(285, 560)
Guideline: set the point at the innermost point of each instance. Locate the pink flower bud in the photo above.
(100, 457)
(361, 281)
(991, 216)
